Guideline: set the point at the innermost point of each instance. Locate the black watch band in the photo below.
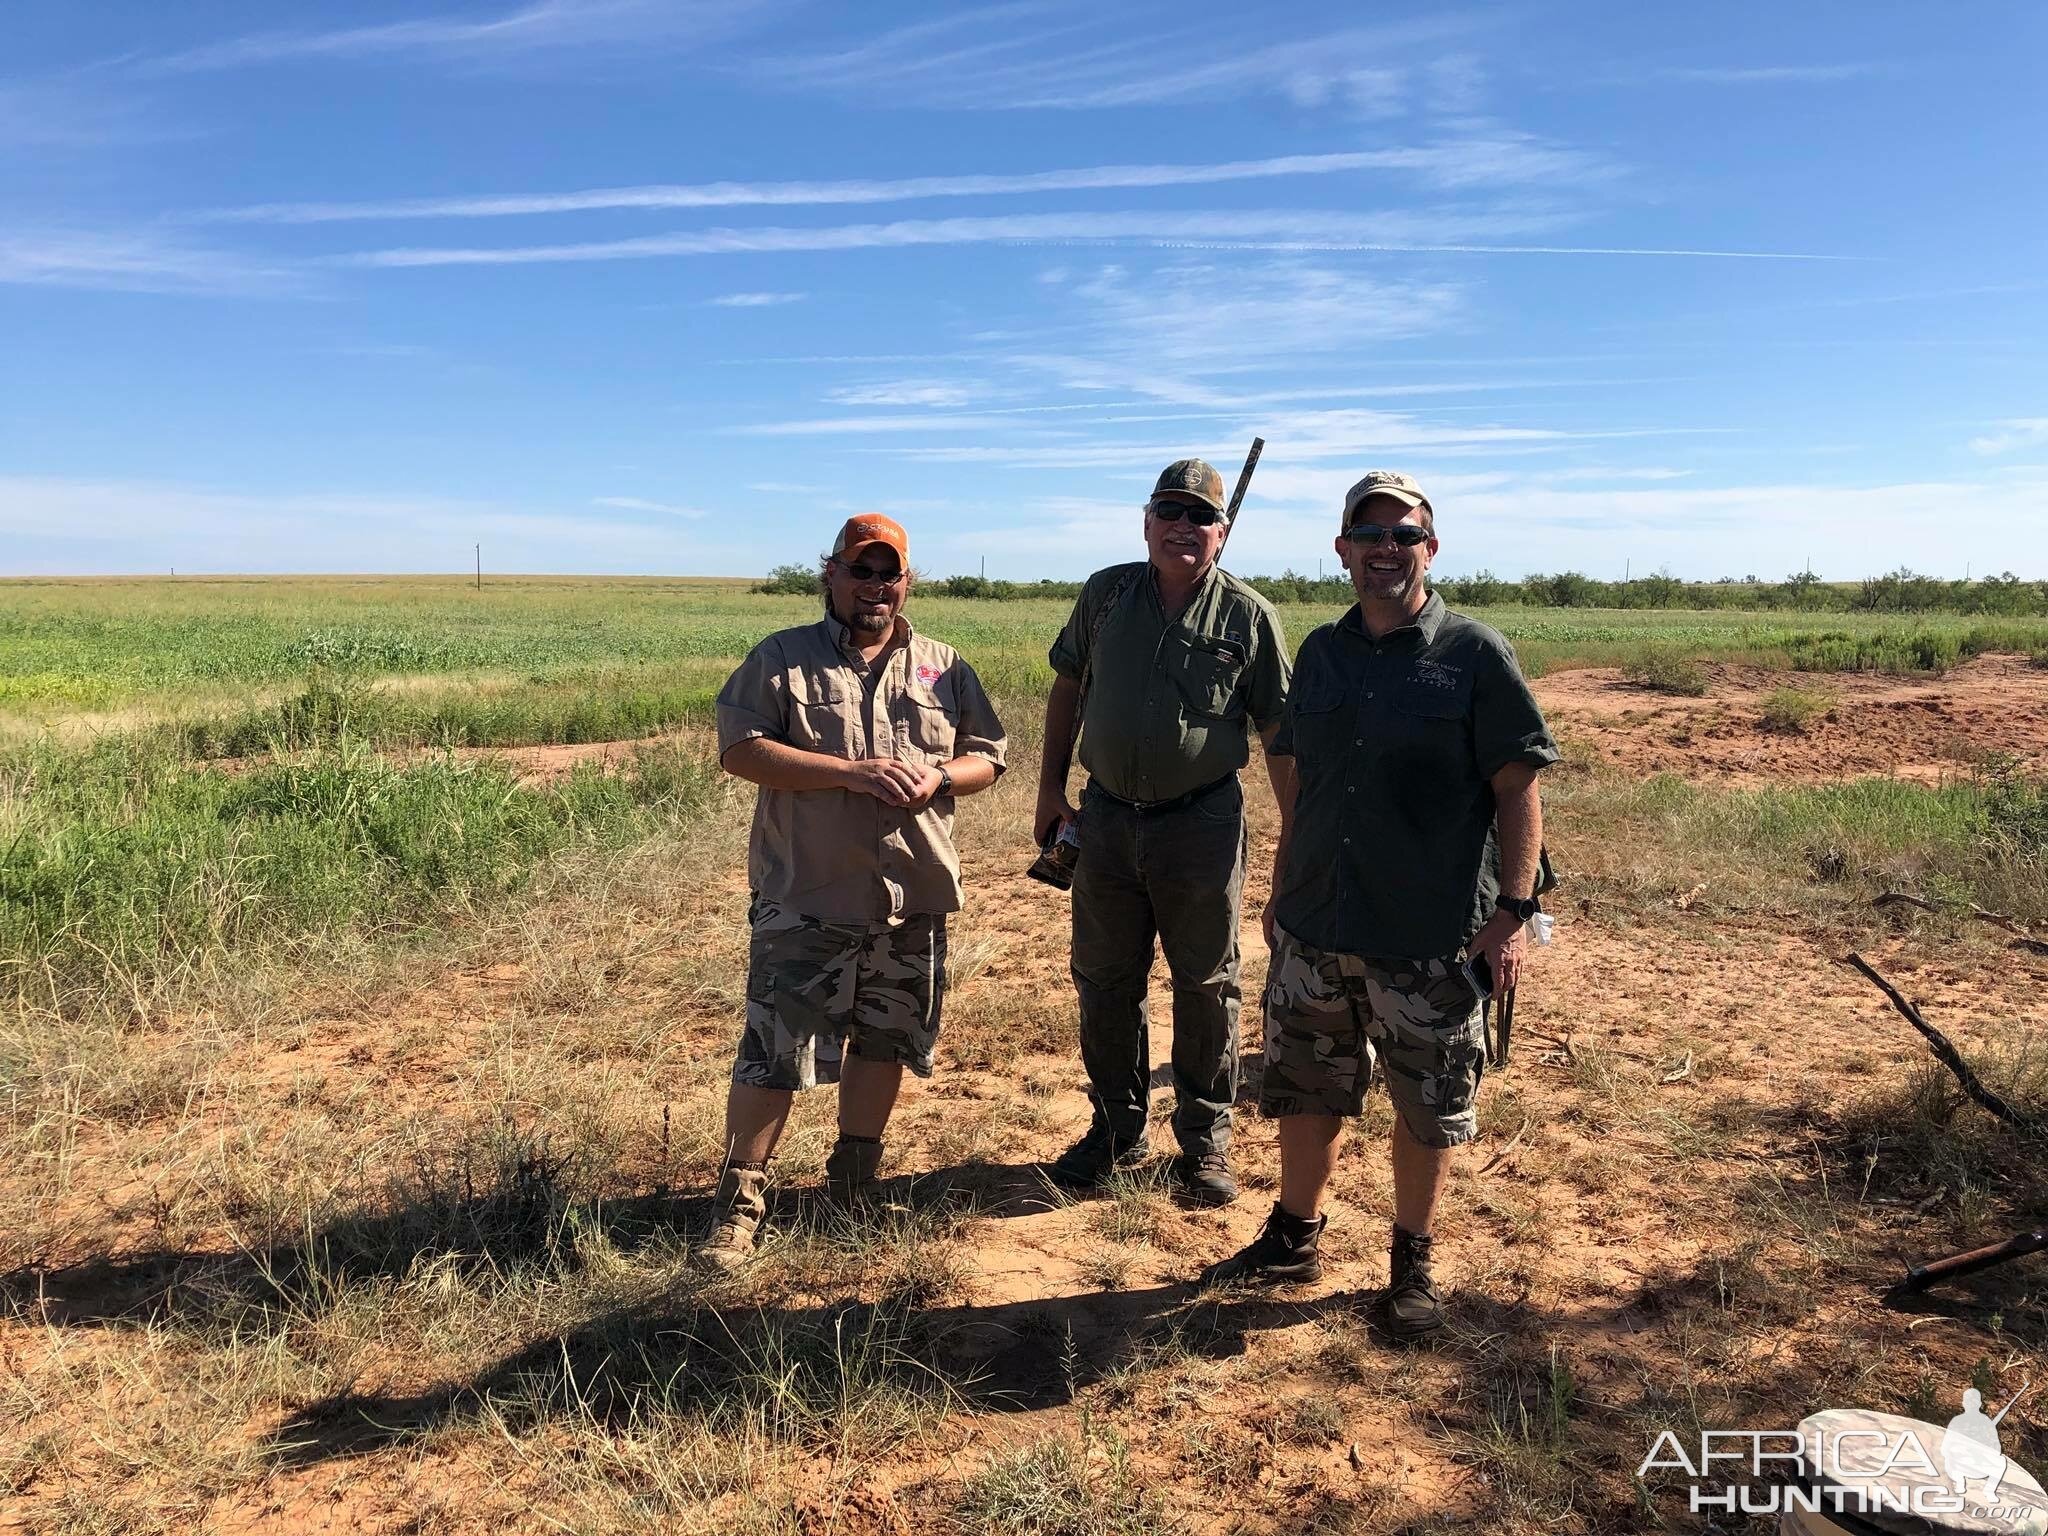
(1521, 909)
(945, 781)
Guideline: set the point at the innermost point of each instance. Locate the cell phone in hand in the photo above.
(1478, 974)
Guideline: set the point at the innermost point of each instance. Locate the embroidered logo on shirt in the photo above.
(928, 675)
(1434, 674)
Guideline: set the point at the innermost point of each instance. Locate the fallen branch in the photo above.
(1514, 1141)
(2022, 938)
(1945, 1052)
(1956, 1265)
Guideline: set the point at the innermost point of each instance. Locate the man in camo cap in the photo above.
(1164, 664)
(1414, 737)
(861, 733)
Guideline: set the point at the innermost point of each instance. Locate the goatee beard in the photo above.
(870, 623)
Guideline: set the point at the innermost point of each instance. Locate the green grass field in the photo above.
(186, 767)
(207, 647)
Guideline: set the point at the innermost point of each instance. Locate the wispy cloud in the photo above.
(548, 26)
(904, 392)
(2014, 433)
(1031, 56)
(1773, 74)
(135, 263)
(73, 113)
(61, 524)
(1451, 231)
(1496, 159)
(639, 504)
(756, 300)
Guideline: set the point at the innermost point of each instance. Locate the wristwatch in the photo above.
(945, 781)
(1521, 909)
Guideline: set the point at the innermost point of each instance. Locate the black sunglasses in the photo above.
(865, 572)
(1407, 535)
(1173, 511)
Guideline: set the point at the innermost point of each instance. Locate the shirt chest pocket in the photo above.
(819, 717)
(924, 730)
(1208, 673)
(1317, 719)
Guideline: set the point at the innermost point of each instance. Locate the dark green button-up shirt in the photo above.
(1168, 698)
(1396, 742)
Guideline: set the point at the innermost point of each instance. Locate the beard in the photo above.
(868, 623)
(1390, 589)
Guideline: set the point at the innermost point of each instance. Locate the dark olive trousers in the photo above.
(1178, 875)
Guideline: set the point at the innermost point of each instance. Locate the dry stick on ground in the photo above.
(2005, 920)
(1945, 1051)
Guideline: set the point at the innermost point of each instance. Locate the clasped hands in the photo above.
(894, 782)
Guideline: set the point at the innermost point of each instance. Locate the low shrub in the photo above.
(1663, 672)
(1792, 709)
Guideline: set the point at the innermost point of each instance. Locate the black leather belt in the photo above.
(1157, 807)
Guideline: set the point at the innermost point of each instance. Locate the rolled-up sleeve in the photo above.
(1266, 696)
(977, 732)
(755, 700)
(1507, 724)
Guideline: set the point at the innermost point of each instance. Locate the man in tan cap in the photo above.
(1164, 664)
(861, 733)
(1404, 879)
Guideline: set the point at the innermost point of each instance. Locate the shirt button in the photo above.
(1358, 741)
(1350, 789)
(1368, 693)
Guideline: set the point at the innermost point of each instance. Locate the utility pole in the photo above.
(479, 567)
(984, 567)
(1627, 566)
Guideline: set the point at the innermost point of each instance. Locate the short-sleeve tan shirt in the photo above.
(838, 854)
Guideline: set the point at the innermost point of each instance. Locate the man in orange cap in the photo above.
(861, 733)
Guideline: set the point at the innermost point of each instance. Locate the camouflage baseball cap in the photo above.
(1384, 482)
(1192, 480)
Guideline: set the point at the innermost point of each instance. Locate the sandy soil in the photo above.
(1674, 1085)
(1920, 729)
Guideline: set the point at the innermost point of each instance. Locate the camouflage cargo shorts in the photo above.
(1331, 1016)
(816, 990)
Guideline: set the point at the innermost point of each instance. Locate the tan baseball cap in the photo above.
(865, 528)
(1384, 482)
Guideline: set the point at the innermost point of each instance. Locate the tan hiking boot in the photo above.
(850, 1170)
(737, 1212)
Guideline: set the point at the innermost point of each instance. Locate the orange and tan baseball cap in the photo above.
(1384, 482)
(865, 528)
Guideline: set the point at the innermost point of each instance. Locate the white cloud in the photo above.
(546, 27)
(757, 300)
(2014, 433)
(904, 392)
(1773, 74)
(56, 525)
(1286, 230)
(1496, 158)
(133, 262)
(994, 58)
(636, 504)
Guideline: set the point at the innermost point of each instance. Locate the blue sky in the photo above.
(620, 285)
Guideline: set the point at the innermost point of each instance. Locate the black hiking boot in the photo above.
(1284, 1251)
(1413, 1306)
(1090, 1162)
(1203, 1178)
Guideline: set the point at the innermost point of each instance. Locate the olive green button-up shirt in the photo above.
(1168, 698)
(1395, 743)
(839, 854)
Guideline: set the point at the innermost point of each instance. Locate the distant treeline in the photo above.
(1899, 591)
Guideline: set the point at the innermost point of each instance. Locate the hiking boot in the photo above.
(850, 1170)
(1089, 1162)
(1284, 1250)
(737, 1211)
(1412, 1304)
(1203, 1178)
